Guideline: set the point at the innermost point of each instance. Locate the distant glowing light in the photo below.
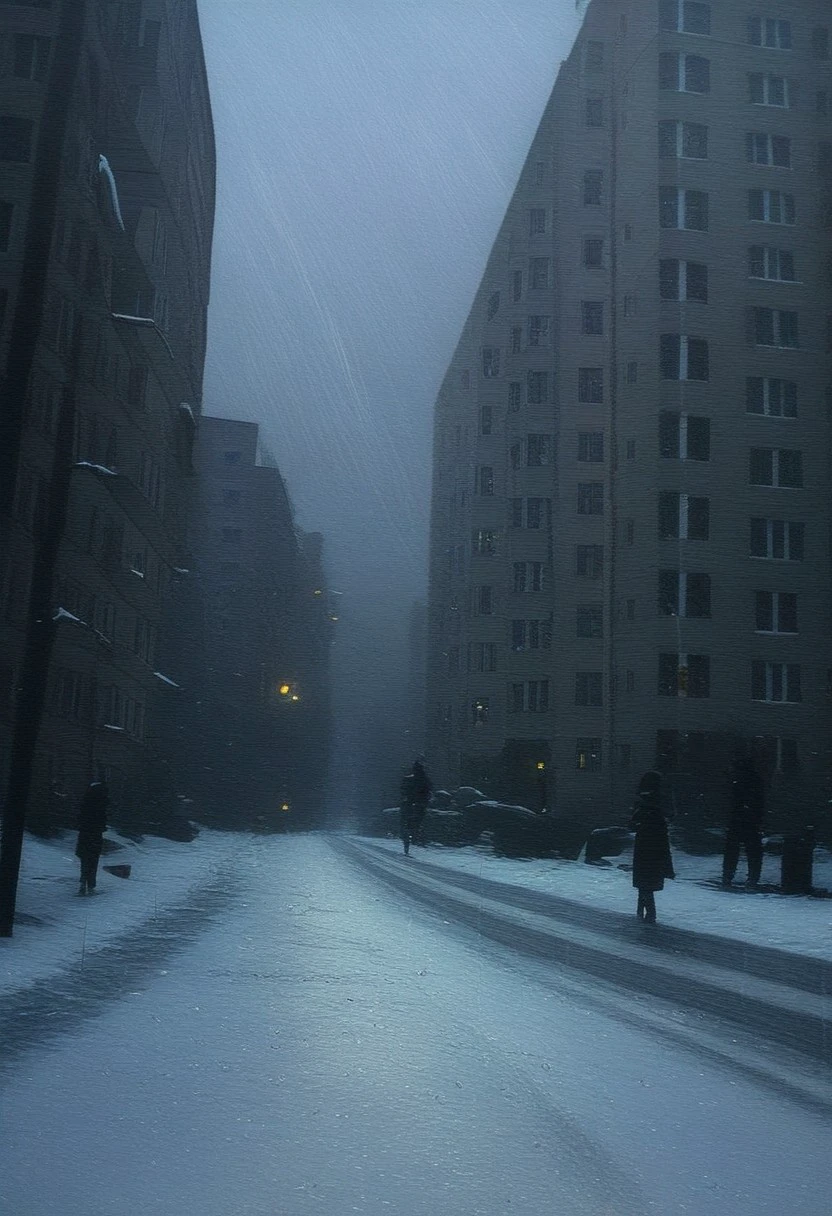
(295, 697)
(317, 591)
(285, 689)
(540, 766)
(284, 806)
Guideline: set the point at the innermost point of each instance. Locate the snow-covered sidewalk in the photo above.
(797, 924)
(56, 927)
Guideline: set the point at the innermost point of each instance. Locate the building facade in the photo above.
(250, 721)
(106, 216)
(630, 551)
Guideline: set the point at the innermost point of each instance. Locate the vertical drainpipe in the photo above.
(612, 528)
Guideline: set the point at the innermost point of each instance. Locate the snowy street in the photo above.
(324, 1026)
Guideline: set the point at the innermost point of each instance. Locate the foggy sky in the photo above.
(366, 153)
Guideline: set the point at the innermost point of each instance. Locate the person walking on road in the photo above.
(92, 824)
(416, 790)
(652, 862)
(745, 825)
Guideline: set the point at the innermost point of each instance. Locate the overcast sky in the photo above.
(366, 153)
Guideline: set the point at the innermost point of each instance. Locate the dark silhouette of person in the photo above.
(416, 790)
(92, 824)
(652, 862)
(745, 823)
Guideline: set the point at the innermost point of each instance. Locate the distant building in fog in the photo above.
(252, 726)
(106, 217)
(630, 553)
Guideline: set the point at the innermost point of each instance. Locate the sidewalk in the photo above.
(797, 924)
(55, 927)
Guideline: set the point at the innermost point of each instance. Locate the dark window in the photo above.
(15, 139)
(684, 594)
(6, 213)
(776, 682)
(493, 304)
(517, 285)
(515, 396)
(591, 446)
(820, 42)
(683, 280)
(631, 449)
(684, 436)
(537, 221)
(590, 619)
(490, 362)
(591, 385)
(683, 358)
(683, 209)
(31, 56)
(771, 396)
(592, 317)
(486, 419)
(593, 251)
(631, 375)
(775, 612)
(589, 561)
(777, 540)
(594, 111)
(479, 711)
(538, 273)
(538, 331)
(588, 755)
(594, 55)
(484, 601)
(591, 498)
(684, 675)
(684, 73)
(688, 140)
(769, 31)
(593, 187)
(589, 688)
(485, 480)
(537, 387)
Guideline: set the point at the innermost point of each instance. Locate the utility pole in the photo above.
(40, 628)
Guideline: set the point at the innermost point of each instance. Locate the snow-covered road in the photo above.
(307, 1035)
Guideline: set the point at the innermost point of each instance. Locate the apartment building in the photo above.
(106, 216)
(250, 729)
(630, 549)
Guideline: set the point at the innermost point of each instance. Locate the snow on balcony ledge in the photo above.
(109, 177)
(63, 614)
(95, 468)
(166, 680)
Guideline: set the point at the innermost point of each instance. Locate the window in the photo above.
(777, 540)
(765, 262)
(530, 512)
(527, 577)
(780, 753)
(594, 112)
(6, 213)
(539, 172)
(684, 594)
(775, 612)
(484, 657)
(684, 675)
(493, 304)
(590, 620)
(685, 16)
(684, 73)
(764, 149)
(775, 682)
(630, 531)
(767, 90)
(683, 516)
(683, 358)
(67, 696)
(485, 480)
(486, 419)
(781, 467)
(531, 635)
(771, 207)
(593, 187)
(530, 696)
(631, 449)
(594, 55)
(630, 305)
(820, 42)
(593, 252)
(588, 688)
(683, 209)
(591, 498)
(517, 285)
(631, 375)
(479, 711)
(31, 57)
(822, 102)
(483, 601)
(537, 387)
(775, 327)
(538, 331)
(588, 755)
(538, 273)
(680, 280)
(490, 362)
(770, 396)
(592, 317)
(591, 385)
(684, 436)
(465, 378)
(768, 31)
(515, 396)
(484, 542)
(15, 139)
(589, 561)
(688, 140)
(539, 450)
(516, 340)
(591, 446)
(537, 221)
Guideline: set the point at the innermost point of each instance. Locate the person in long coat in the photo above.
(92, 824)
(652, 862)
